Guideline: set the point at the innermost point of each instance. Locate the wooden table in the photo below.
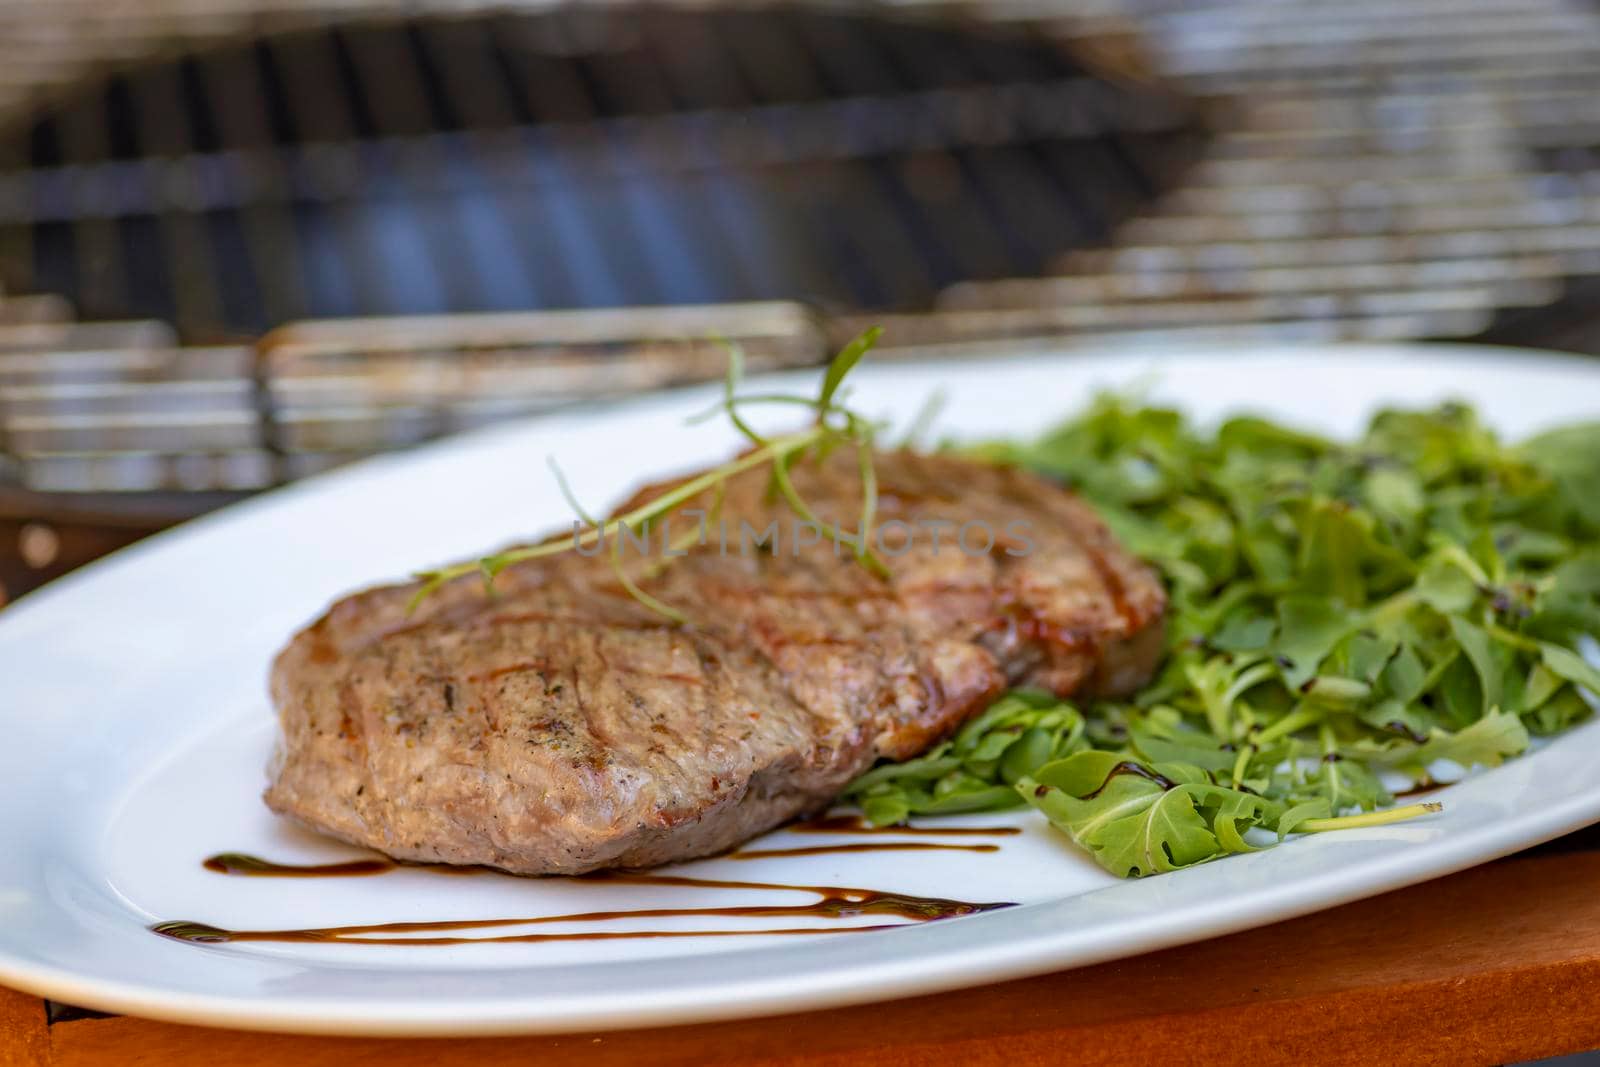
(1493, 965)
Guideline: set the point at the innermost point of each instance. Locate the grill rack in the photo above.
(136, 412)
(585, 157)
(115, 430)
(1380, 171)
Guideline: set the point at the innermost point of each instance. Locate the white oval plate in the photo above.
(137, 730)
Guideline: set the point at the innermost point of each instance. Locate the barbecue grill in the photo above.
(242, 242)
(585, 158)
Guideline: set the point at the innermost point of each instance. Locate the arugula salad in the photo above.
(1346, 621)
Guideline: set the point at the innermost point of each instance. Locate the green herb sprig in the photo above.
(833, 425)
(1340, 615)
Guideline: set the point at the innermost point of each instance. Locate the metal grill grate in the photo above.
(1381, 170)
(582, 158)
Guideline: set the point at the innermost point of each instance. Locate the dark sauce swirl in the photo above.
(833, 902)
(241, 863)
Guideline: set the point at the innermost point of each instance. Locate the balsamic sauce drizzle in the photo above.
(241, 863)
(1130, 767)
(832, 902)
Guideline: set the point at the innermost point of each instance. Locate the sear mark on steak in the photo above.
(560, 726)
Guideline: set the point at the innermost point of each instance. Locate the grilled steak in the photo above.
(561, 726)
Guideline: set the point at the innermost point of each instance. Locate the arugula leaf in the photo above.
(1478, 649)
(1308, 628)
(1395, 496)
(1166, 835)
(1569, 665)
(1445, 586)
(1161, 736)
(1486, 743)
(1347, 783)
(973, 770)
(1235, 813)
(1244, 631)
(1137, 819)
(1310, 809)
(1132, 822)
(1568, 456)
(1336, 610)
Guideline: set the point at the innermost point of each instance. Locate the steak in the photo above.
(559, 725)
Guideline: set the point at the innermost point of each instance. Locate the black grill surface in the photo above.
(577, 158)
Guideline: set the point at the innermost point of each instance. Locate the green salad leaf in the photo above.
(1343, 618)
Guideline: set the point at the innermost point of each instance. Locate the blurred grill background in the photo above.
(244, 241)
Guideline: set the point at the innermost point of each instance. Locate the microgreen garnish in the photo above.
(1341, 617)
(833, 425)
